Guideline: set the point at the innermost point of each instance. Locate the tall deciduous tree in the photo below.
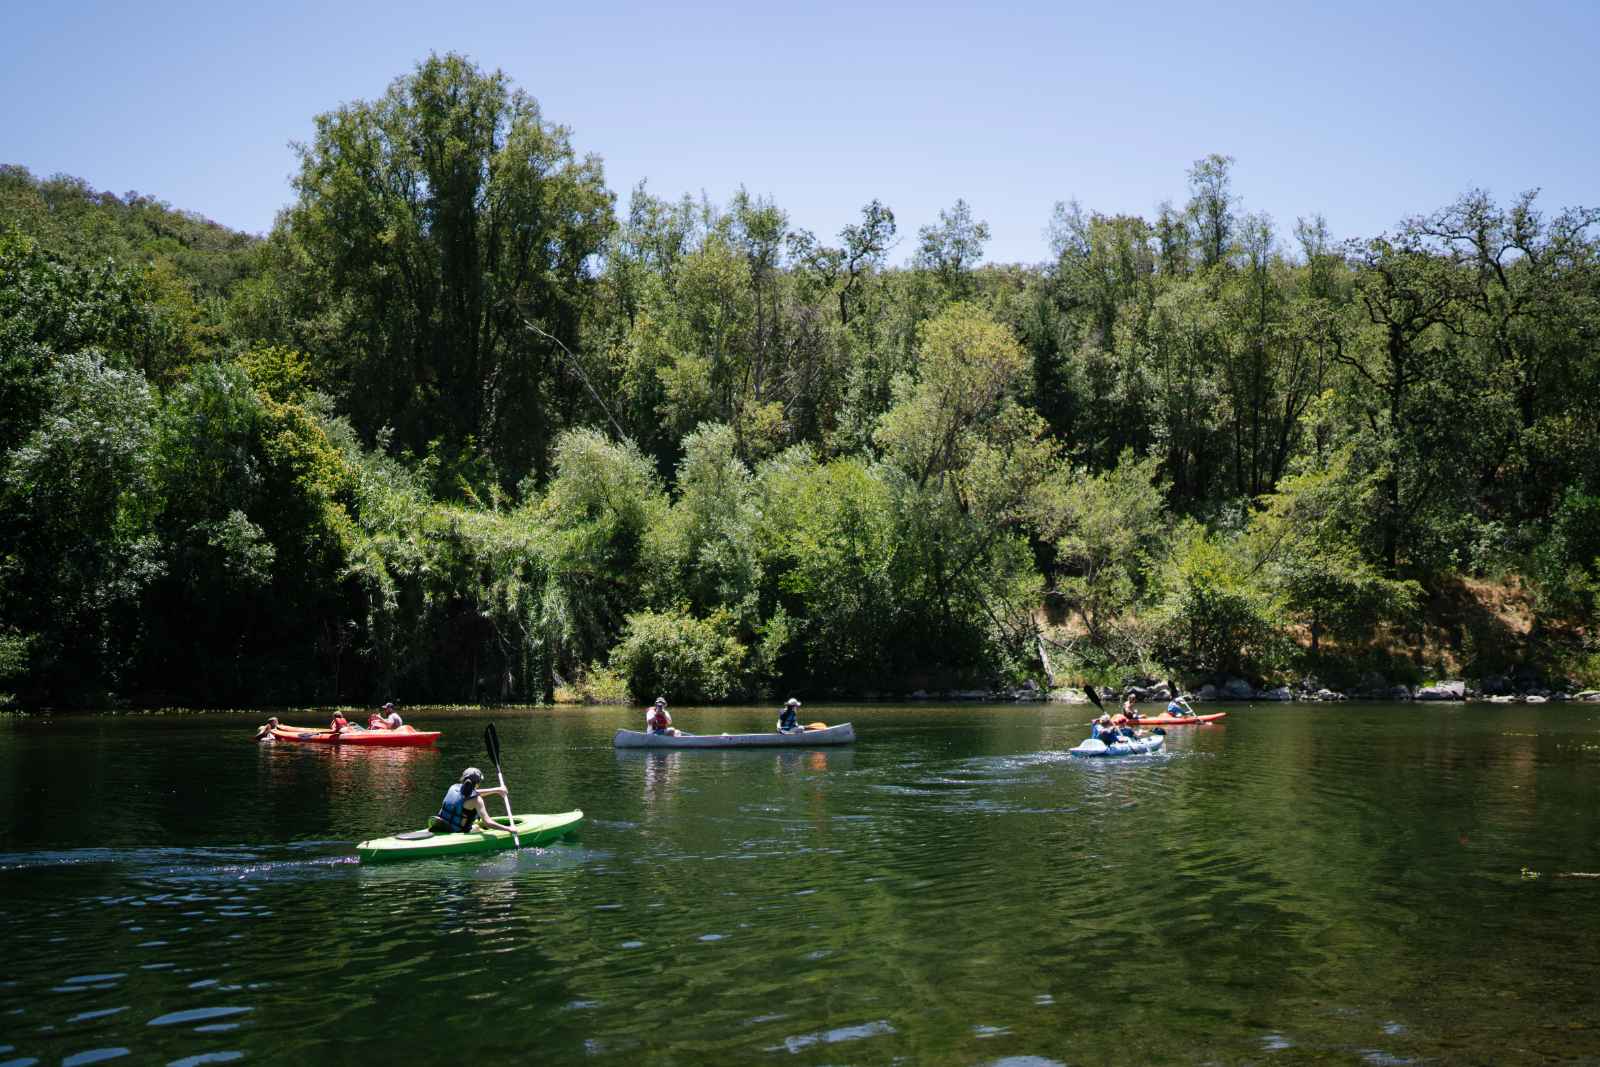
(448, 232)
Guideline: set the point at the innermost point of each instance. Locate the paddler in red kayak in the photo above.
(657, 720)
(1130, 712)
(463, 804)
(387, 719)
(265, 732)
(1179, 707)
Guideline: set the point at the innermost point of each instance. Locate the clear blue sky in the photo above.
(1365, 112)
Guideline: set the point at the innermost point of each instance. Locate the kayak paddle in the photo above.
(492, 740)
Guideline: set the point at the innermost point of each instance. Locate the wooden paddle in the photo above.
(492, 741)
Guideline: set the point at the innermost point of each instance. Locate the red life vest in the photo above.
(656, 718)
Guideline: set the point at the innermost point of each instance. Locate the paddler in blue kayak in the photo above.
(463, 804)
(788, 718)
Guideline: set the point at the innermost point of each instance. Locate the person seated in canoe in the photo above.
(463, 805)
(1179, 708)
(658, 720)
(265, 732)
(789, 718)
(338, 722)
(387, 719)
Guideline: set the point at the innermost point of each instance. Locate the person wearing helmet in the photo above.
(463, 805)
(657, 720)
(788, 718)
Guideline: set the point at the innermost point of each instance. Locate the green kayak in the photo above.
(420, 844)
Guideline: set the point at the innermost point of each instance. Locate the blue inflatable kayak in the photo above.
(1094, 747)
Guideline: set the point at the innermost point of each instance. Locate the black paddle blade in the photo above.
(1094, 698)
(491, 740)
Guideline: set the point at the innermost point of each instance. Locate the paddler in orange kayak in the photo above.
(1179, 707)
(387, 719)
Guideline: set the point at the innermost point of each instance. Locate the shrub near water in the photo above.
(688, 660)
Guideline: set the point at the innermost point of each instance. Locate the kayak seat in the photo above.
(414, 835)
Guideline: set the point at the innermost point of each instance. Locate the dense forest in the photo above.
(466, 426)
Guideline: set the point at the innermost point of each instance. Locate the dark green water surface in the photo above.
(1295, 885)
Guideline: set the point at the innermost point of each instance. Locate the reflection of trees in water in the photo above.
(308, 789)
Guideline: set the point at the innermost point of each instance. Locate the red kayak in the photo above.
(1164, 719)
(405, 736)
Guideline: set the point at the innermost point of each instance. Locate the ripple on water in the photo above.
(94, 1055)
(799, 1042)
(194, 1015)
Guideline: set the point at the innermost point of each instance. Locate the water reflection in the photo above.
(952, 889)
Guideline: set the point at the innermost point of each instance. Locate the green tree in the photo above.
(1107, 529)
(76, 542)
(446, 235)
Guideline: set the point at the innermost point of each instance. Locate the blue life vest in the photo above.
(1174, 708)
(454, 813)
(787, 719)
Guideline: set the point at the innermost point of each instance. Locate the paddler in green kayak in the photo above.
(463, 805)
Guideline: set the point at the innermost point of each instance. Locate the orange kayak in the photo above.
(406, 736)
(1164, 719)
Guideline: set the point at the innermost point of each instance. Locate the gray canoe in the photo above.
(842, 734)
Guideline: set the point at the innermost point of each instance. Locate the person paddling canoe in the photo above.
(657, 720)
(788, 718)
(265, 731)
(463, 805)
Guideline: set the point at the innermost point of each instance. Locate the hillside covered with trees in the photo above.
(467, 425)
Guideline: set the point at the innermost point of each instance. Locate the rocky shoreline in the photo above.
(1496, 689)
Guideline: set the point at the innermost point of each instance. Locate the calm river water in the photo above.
(1323, 884)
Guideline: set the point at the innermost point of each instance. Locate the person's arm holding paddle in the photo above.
(483, 808)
